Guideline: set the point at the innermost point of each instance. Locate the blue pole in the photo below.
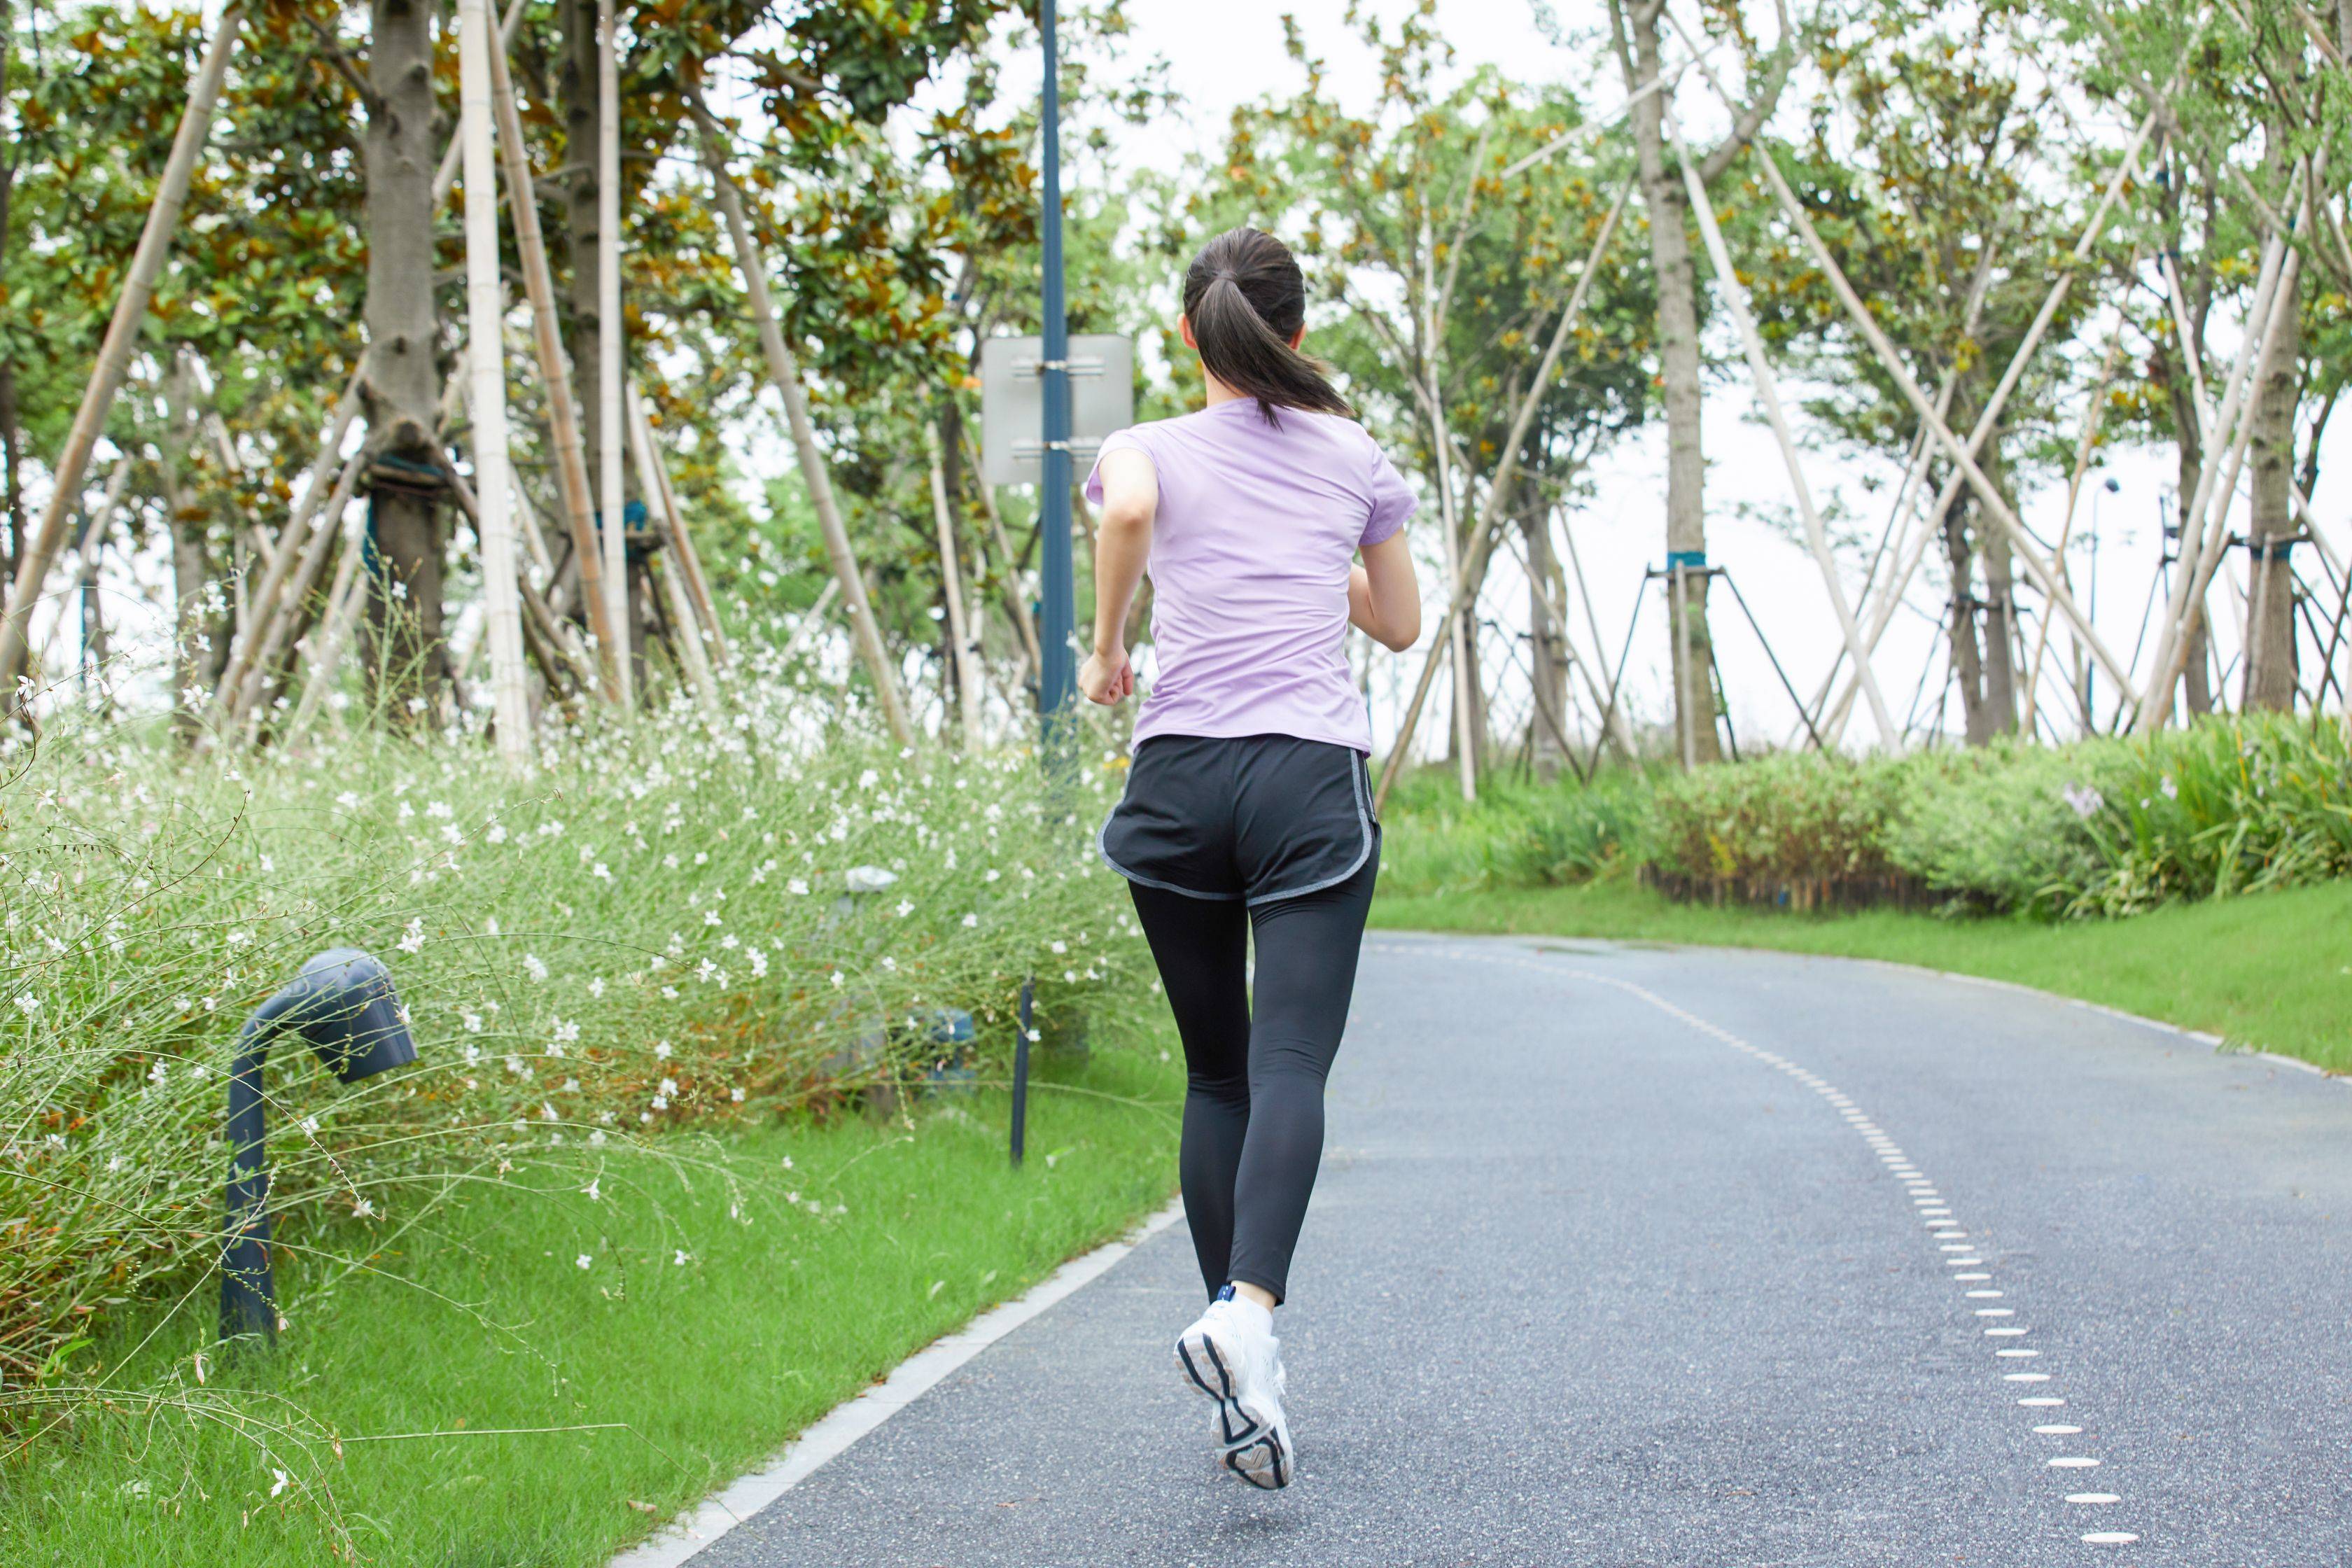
(1056, 674)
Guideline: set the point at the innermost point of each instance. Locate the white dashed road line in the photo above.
(1933, 1209)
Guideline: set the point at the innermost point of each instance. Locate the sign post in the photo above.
(1056, 673)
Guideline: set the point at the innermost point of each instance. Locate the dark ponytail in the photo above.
(1245, 297)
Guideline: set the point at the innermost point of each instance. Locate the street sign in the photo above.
(1013, 402)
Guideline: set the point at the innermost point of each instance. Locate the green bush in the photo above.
(1785, 818)
(1518, 834)
(2099, 827)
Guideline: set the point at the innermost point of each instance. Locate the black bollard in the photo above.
(342, 1003)
(1020, 1069)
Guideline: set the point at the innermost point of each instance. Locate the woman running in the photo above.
(1248, 809)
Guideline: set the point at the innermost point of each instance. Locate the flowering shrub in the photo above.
(682, 918)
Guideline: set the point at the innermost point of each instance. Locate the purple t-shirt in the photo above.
(1257, 525)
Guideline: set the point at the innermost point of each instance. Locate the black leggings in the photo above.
(1254, 1104)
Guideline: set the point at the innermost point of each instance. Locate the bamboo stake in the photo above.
(690, 650)
(113, 355)
(1466, 695)
(268, 639)
(555, 374)
(1614, 719)
(2172, 645)
(1768, 394)
(810, 622)
(444, 178)
(1995, 505)
(681, 544)
(301, 528)
(1964, 457)
(1023, 621)
(343, 612)
(2066, 522)
(786, 375)
(1463, 588)
(87, 547)
(967, 667)
(1899, 519)
(486, 356)
(610, 493)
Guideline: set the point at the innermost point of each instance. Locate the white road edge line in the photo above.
(841, 1428)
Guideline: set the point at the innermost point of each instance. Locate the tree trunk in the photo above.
(1968, 659)
(1679, 374)
(2270, 680)
(2197, 684)
(583, 124)
(12, 453)
(199, 633)
(403, 387)
(2000, 603)
(1547, 649)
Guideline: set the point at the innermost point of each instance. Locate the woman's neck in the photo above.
(1218, 391)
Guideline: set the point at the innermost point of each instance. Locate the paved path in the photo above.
(1628, 1256)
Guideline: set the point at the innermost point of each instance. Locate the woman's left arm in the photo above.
(1384, 596)
(1122, 546)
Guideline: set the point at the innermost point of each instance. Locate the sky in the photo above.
(1223, 53)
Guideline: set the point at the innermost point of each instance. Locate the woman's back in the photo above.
(1256, 525)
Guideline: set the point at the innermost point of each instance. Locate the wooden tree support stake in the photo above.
(555, 375)
(863, 632)
(113, 355)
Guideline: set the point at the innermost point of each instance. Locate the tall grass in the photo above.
(685, 919)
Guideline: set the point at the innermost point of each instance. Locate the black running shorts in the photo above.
(1254, 817)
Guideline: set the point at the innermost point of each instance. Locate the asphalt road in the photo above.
(1627, 1257)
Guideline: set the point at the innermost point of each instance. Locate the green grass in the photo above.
(707, 1365)
(2270, 970)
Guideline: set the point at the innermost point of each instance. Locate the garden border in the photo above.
(841, 1428)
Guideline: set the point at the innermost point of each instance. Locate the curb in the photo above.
(841, 1428)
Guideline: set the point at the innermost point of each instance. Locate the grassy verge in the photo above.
(682, 1323)
(2271, 970)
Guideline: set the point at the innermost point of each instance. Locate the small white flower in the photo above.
(969, 921)
(362, 1209)
(1060, 946)
(593, 1195)
(838, 979)
(677, 1256)
(661, 1050)
(797, 886)
(736, 1094)
(347, 800)
(281, 1483)
(2171, 790)
(906, 908)
(413, 941)
(670, 1085)
(583, 1260)
(869, 878)
(537, 969)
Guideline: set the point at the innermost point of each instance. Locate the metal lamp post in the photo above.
(344, 1006)
(1056, 674)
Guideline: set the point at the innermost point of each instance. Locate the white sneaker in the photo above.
(1231, 1355)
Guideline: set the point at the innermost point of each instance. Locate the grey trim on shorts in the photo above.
(1363, 824)
(1102, 847)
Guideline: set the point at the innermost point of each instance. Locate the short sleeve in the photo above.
(1393, 500)
(1118, 441)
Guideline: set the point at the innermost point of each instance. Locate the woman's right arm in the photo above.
(1385, 597)
(1130, 500)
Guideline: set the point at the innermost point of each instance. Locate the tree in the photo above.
(1454, 242)
(1636, 36)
